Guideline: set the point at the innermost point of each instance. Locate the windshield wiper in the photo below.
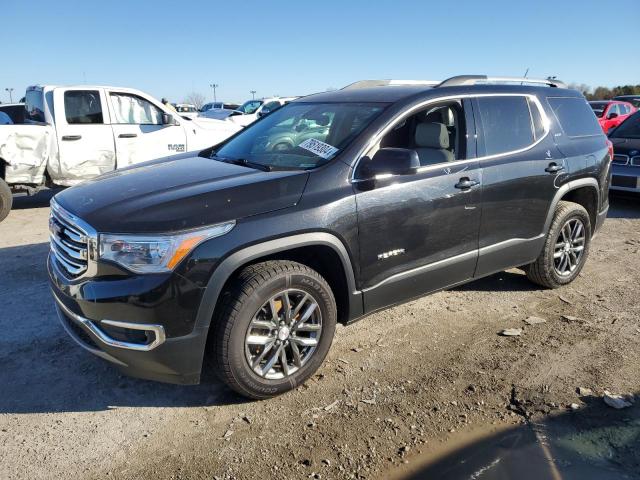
(243, 162)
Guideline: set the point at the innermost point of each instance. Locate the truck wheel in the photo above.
(6, 199)
(566, 247)
(273, 329)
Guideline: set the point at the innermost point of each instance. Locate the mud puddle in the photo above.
(592, 443)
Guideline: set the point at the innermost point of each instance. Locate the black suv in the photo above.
(245, 256)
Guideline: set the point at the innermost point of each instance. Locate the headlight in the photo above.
(155, 253)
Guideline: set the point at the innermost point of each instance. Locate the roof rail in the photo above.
(464, 80)
(384, 83)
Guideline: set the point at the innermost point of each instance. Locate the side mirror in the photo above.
(167, 119)
(389, 161)
(611, 116)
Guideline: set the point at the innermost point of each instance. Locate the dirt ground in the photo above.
(396, 390)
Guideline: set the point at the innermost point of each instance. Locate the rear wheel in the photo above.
(6, 199)
(274, 328)
(566, 247)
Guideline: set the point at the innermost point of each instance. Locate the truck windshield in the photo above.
(300, 135)
(34, 106)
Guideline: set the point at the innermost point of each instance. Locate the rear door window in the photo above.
(82, 107)
(507, 124)
(575, 116)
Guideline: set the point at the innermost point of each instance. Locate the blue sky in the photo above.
(171, 48)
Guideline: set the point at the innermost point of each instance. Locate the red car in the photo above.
(611, 113)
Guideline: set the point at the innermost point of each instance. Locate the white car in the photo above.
(251, 110)
(72, 134)
(217, 110)
(186, 110)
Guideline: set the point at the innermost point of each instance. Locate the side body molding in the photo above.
(241, 257)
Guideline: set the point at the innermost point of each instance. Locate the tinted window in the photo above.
(507, 124)
(575, 116)
(630, 128)
(250, 106)
(134, 110)
(598, 108)
(16, 112)
(34, 106)
(270, 107)
(536, 120)
(82, 106)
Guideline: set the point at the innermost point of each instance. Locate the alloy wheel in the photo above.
(283, 334)
(569, 247)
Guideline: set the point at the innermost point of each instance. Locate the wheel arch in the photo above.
(319, 250)
(584, 191)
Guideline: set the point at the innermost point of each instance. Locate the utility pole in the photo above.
(10, 90)
(253, 94)
(214, 86)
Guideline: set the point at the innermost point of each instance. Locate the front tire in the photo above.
(273, 329)
(6, 199)
(565, 249)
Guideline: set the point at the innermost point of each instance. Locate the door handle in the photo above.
(554, 167)
(465, 183)
(128, 135)
(71, 138)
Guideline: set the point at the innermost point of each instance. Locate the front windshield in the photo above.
(250, 107)
(300, 135)
(630, 128)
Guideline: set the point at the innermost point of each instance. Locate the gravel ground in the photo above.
(396, 388)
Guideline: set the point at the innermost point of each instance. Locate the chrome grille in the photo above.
(635, 161)
(69, 244)
(620, 159)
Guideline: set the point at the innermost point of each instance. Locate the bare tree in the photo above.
(581, 87)
(196, 99)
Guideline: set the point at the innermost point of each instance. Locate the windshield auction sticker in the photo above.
(321, 149)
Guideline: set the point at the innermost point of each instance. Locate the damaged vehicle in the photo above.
(244, 257)
(71, 134)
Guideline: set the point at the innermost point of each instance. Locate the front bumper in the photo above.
(140, 337)
(625, 178)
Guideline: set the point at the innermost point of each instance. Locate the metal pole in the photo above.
(253, 94)
(214, 86)
(10, 90)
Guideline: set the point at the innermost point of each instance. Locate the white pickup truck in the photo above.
(72, 134)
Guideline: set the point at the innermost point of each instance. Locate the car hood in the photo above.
(180, 193)
(624, 146)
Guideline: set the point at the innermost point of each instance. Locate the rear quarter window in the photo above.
(575, 116)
